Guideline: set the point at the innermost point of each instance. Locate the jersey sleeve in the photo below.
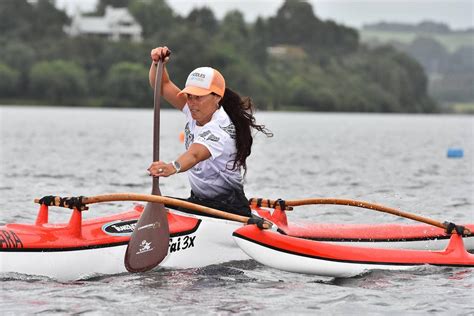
(214, 139)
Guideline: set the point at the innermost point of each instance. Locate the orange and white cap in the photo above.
(203, 81)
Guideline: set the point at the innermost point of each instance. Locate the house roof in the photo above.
(114, 19)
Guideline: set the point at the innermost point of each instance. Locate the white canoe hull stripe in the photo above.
(294, 253)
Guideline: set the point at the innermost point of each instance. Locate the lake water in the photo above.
(396, 160)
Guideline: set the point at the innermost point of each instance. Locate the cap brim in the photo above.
(195, 91)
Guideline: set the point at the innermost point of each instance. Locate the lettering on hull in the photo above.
(8, 239)
(181, 243)
(120, 228)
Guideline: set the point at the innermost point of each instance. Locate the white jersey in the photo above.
(213, 177)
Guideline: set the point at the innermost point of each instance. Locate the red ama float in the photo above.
(314, 257)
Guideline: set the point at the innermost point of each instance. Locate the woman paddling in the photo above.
(218, 137)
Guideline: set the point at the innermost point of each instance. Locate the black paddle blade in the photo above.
(148, 245)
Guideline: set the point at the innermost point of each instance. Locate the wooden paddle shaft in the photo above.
(164, 200)
(362, 204)
(156, 123)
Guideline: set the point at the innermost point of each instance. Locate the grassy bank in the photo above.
(462, 108)
(451, 41)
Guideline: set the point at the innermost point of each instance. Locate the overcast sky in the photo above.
(458, 14)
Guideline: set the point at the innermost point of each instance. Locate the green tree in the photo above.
(189, 52)
(20, 57)
(15, 19)
(114, 53)
(156, 18)
(58, 81)
(258, 43)
(48, 20)
(431, 54)
(396, 74)
(295, 24)
(127, 86)
(461, 61)
(9, 79)
(20, 19)
(204, 19)
(337, 39)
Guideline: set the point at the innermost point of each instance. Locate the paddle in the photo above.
(148, 245)
(376, 207)
(80, 202)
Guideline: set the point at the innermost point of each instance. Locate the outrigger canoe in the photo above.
(301, 255)
(79, 249)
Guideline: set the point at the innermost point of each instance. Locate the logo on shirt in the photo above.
(229, 129)
(207, 135)
(188, 136)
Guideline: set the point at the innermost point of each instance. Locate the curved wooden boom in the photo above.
(115, 197)
(361, 204)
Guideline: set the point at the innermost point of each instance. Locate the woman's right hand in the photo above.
(168, 88)
(160, 52)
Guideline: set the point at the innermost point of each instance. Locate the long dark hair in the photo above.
(240, 111)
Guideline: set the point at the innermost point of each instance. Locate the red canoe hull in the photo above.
(309, 256)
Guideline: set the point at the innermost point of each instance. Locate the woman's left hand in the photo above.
(161, 169)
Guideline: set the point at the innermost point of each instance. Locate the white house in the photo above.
(116, 24)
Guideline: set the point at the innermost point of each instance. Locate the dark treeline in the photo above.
(450, 68)
(422, 27)
(291, 60)
(451, 73)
